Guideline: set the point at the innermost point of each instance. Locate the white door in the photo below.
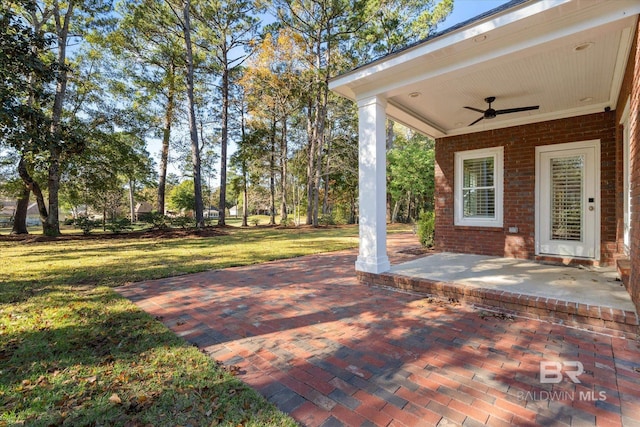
(568, 205)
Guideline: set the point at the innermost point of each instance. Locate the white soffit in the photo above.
(523, 56)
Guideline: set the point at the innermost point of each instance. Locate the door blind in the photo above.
(567, 198)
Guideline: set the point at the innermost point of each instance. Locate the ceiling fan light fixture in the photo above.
(582, 46)
(491, 113)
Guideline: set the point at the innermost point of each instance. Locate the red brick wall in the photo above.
(519, 185)
(631, 89)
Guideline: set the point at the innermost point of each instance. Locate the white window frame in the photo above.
(498, 161)
(626, 178)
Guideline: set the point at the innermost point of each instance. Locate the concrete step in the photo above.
(597, 318)
(624, 270)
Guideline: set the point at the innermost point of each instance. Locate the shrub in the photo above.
(255, 221)
(86, 224)
(117, 226)
(326, 219)
(157, 220)
(183, 222)
(289, 222)
(426, 228)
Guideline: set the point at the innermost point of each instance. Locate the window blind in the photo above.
(478, 188)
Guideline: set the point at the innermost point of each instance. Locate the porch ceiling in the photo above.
(567, 56)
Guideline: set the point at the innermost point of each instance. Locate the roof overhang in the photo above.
(567, 56)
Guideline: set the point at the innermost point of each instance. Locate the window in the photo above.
(478, 187)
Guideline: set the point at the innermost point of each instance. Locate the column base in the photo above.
(375, 265)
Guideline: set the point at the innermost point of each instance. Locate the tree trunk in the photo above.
(132, 205)
(325, 198)
(320, 118)
(224, 138)
(352, 211)
(245, 201)
(394, 214)
(310, 163)
(283, 172)
(51, 223)
(20, 215)
(391, 216)
(272, 173)
(193, 129)
(166, 138)
(35, 189)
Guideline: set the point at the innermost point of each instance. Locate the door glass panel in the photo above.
(567, 198)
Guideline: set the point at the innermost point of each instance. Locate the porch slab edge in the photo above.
(591, 317)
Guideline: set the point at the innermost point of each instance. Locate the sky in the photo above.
(466, 9)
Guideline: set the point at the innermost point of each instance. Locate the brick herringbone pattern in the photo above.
(332, 352)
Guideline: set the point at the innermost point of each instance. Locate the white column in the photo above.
(373, 186)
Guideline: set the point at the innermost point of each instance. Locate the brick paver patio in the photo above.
(332, 352)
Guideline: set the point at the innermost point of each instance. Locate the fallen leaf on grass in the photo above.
(115, 399)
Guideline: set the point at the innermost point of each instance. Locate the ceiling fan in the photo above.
(490, 113)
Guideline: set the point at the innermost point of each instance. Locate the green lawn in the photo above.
(74, 352)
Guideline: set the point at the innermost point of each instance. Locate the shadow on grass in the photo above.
(85, 356)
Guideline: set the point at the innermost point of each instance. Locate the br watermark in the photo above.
(552, 372)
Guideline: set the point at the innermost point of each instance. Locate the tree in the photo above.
(323, 24)
(48, 137)
(181, 197)
(97, 177)
(24, 122)
(182, 13)
(411, 175)
(229, 28)
(273, 83)
(148, 50)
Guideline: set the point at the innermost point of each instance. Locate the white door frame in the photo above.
(595, 144)
(626, 178)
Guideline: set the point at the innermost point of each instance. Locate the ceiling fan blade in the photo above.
(476, 121)
(516, 110)
(475, 109)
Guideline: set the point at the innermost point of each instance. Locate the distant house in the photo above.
(9, 209)
(142, 209)
(234, 211)
(211, 212)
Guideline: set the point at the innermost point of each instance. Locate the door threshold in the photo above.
(566, 260)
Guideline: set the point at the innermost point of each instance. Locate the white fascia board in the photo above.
(414, 121)
(626, 41)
